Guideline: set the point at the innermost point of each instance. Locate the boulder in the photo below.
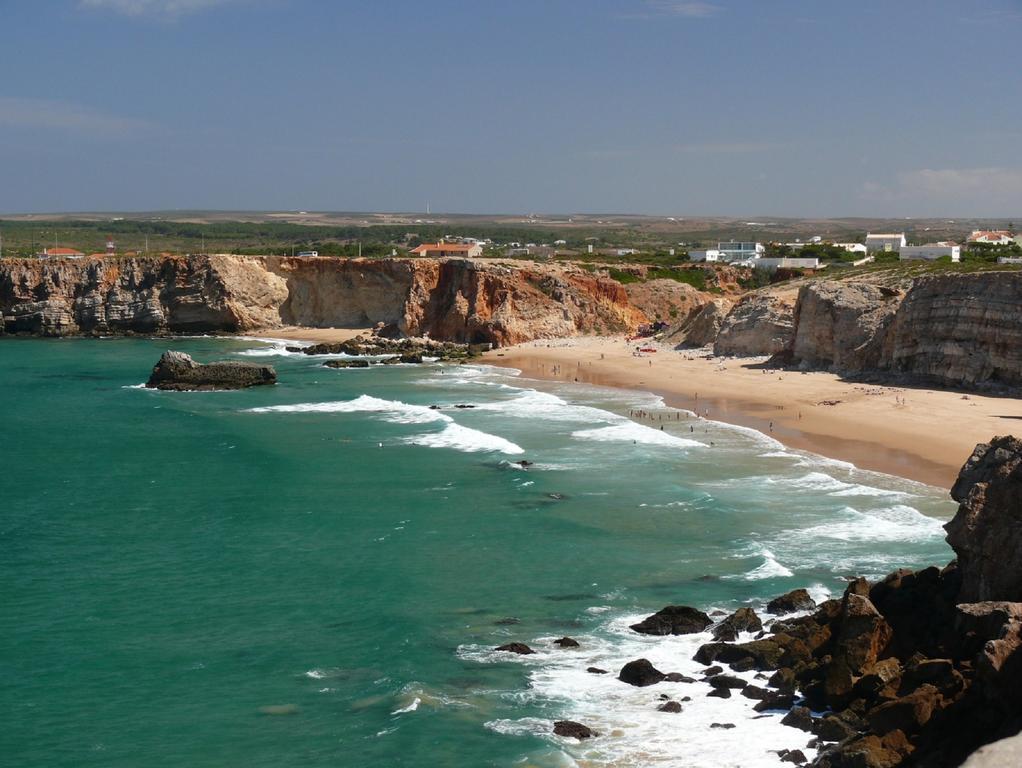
(520, 648)
(596, 671)
(177, 371)
(640, 673)
(669, 706)
(907, 714)
(795, 756)
(761, 654)
(677, 677)
(726, 681)
(572, 730)
(742, 620)
(792, 602)
(566, 642)
(673, 620)
(799, 717)
(862, 634)
(356, 363)
(986, 532)
(720, 693)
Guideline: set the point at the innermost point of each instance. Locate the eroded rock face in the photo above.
(760, 324)
(460, 300)
(178, 372)
(841, 326)
(986, 532)
(701, 326)
(960, 329)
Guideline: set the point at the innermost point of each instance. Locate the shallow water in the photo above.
(316, 573)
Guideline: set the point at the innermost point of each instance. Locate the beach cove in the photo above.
(326, 565)
(913, 432)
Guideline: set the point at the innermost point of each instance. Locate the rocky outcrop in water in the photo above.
(177, 371)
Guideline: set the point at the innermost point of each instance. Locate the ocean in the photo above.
(316, 573)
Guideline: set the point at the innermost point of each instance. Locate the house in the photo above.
(851, 247)
(308, 253)
(930, 252)
(60, 253)
(991, 237)
(709, 255)
(732, 251)
(626, 251)
(798, 262)
(885, 242)
(441, 249)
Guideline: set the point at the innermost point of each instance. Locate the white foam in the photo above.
(770, 569)
(134, 386)
(409, 708)
(898, 522)
(465, 439)
(533, 404)
(632, 731)
(392, 410)
(630, 432)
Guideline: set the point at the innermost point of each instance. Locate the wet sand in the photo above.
(921, 434)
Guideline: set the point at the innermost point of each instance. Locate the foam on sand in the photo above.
(630, 432)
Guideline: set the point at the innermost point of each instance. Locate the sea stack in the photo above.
(178, 372)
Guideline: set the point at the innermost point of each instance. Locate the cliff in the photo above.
(455, 299)
(951, 329)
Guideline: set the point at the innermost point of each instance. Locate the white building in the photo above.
(930, 252)
(991, 237)
(797, 262)
(886, 243)
(709, 255)
(852, 247)
(733, 251)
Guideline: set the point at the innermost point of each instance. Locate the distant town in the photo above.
(774, 249)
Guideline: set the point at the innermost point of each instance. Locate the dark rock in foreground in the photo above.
(794, 601)
(520, 648)
(177, 371)
(670, 706)
(742, 620)
(986, 532)
(640, 673)
(572, 730)
(673, 620)
(566, 642)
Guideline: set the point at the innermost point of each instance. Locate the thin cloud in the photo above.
(980, 191)
(166, 9)
(727, 148)
(64, 116)
(688, 10)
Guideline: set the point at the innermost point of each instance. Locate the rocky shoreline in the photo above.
(389, 351)
(920, 668)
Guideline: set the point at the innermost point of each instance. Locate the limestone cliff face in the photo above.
(960, 329)
(842, 326)
(459, 300)
(760, 324)
(951, 329)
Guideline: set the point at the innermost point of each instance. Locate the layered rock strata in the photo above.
(452, 299)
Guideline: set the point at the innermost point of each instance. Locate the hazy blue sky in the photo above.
(783, 107)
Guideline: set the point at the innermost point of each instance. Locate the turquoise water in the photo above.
(314, 574)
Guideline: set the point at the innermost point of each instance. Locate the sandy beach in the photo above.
(316, 335)
(921, 434)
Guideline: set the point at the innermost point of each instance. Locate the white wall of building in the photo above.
(930, 252)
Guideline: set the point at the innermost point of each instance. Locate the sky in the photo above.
(804, 108)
